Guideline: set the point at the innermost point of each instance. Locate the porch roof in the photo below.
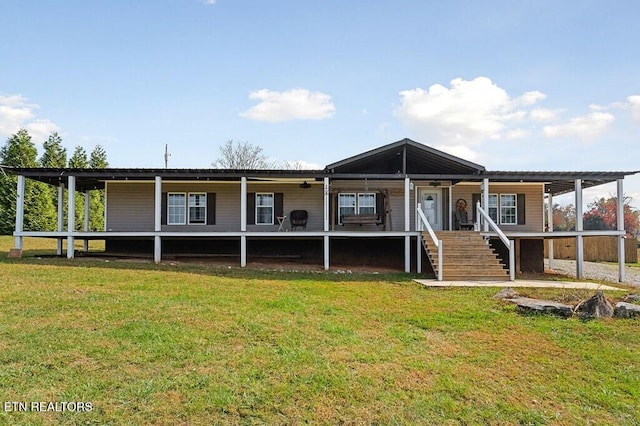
(556, 182)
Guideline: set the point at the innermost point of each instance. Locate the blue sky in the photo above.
(511, 85)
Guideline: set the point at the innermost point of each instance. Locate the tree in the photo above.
(54, 155)
(79, 161)
(39, 212)
(603, 215)
(97, 160)
(564, 217)
(242, 156)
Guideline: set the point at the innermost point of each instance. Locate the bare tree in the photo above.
(242, 156)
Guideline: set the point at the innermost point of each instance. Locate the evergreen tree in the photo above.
(54, 156)
(97, 160)
(39, 213)
(79, 161)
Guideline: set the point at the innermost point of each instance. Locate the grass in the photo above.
(187, 344)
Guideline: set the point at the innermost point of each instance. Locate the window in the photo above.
(493, 207)
(352, 203)
(183, 208)
(346, 204)
(367, 203)
(264, 208)
(176, 209)
(508, 209)
(197, 208)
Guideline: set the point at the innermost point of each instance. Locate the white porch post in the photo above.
(60, 216)
(71, 216)
(19, 212)
(157, 226)
(407, 224)
(87, 211)
(326, 223)
(550, 226)
(579, 228)
(620, 218)
(243, 221)
(485, 202)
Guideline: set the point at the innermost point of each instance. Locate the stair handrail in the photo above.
(434, 238)
(507, 242)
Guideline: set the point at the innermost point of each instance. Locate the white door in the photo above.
(430, 201)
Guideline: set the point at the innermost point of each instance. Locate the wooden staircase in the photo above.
(466, 256)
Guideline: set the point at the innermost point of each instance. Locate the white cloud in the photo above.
(469, 112)
(209, 1)
(295, 104)
(16, 113)
(586, 127)
(635, 106)
(544, 114)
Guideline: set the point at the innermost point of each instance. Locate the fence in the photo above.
(596, 249)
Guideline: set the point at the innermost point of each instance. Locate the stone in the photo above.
(632, 298)
(14, 253)
(526, 305)
(506, 293)
(595, 307)
(626, 310)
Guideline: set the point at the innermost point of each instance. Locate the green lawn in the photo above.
(187, 344)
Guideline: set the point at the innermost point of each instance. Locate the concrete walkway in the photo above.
(519, 283)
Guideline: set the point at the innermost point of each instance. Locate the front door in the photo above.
(431, 203)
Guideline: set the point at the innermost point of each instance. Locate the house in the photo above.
(396, 204)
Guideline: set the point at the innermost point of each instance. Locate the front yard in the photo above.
(187, 344)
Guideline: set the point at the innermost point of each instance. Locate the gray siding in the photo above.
(533, 202)
(130, 206)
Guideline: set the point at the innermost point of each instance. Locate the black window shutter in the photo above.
(380, 206)
(163, 209)
(211, 208)
(474, 200)
(251, 208)
(278, 204)
(521, 209)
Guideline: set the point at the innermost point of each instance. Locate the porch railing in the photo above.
(507, 242)
(434, 238)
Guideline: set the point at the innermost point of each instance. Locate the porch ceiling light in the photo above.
(305, 185)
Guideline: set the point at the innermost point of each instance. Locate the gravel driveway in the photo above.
(596, 271)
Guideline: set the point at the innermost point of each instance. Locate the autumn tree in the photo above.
(602, 214)
(564, 217)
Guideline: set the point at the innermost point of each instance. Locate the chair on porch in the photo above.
(461, 219)
(298, 218)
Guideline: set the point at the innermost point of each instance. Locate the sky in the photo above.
(511, 85)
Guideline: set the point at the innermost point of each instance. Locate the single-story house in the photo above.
(401, 201)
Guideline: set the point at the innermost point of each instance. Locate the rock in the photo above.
(526, 305)
(14, 253)
(632, 298)
(626, 310)
(506, 293)
(596, 307)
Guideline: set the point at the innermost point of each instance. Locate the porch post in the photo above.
(407, 224)
(450, 220)
(485, 202)
(620, 218)
(579, 229)
(243, 221)
(19, 212)
(419, 254)
(71, 216)
(86, 219)
(326, 223)
(550, 226)
(157, 226)
(60, 216)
